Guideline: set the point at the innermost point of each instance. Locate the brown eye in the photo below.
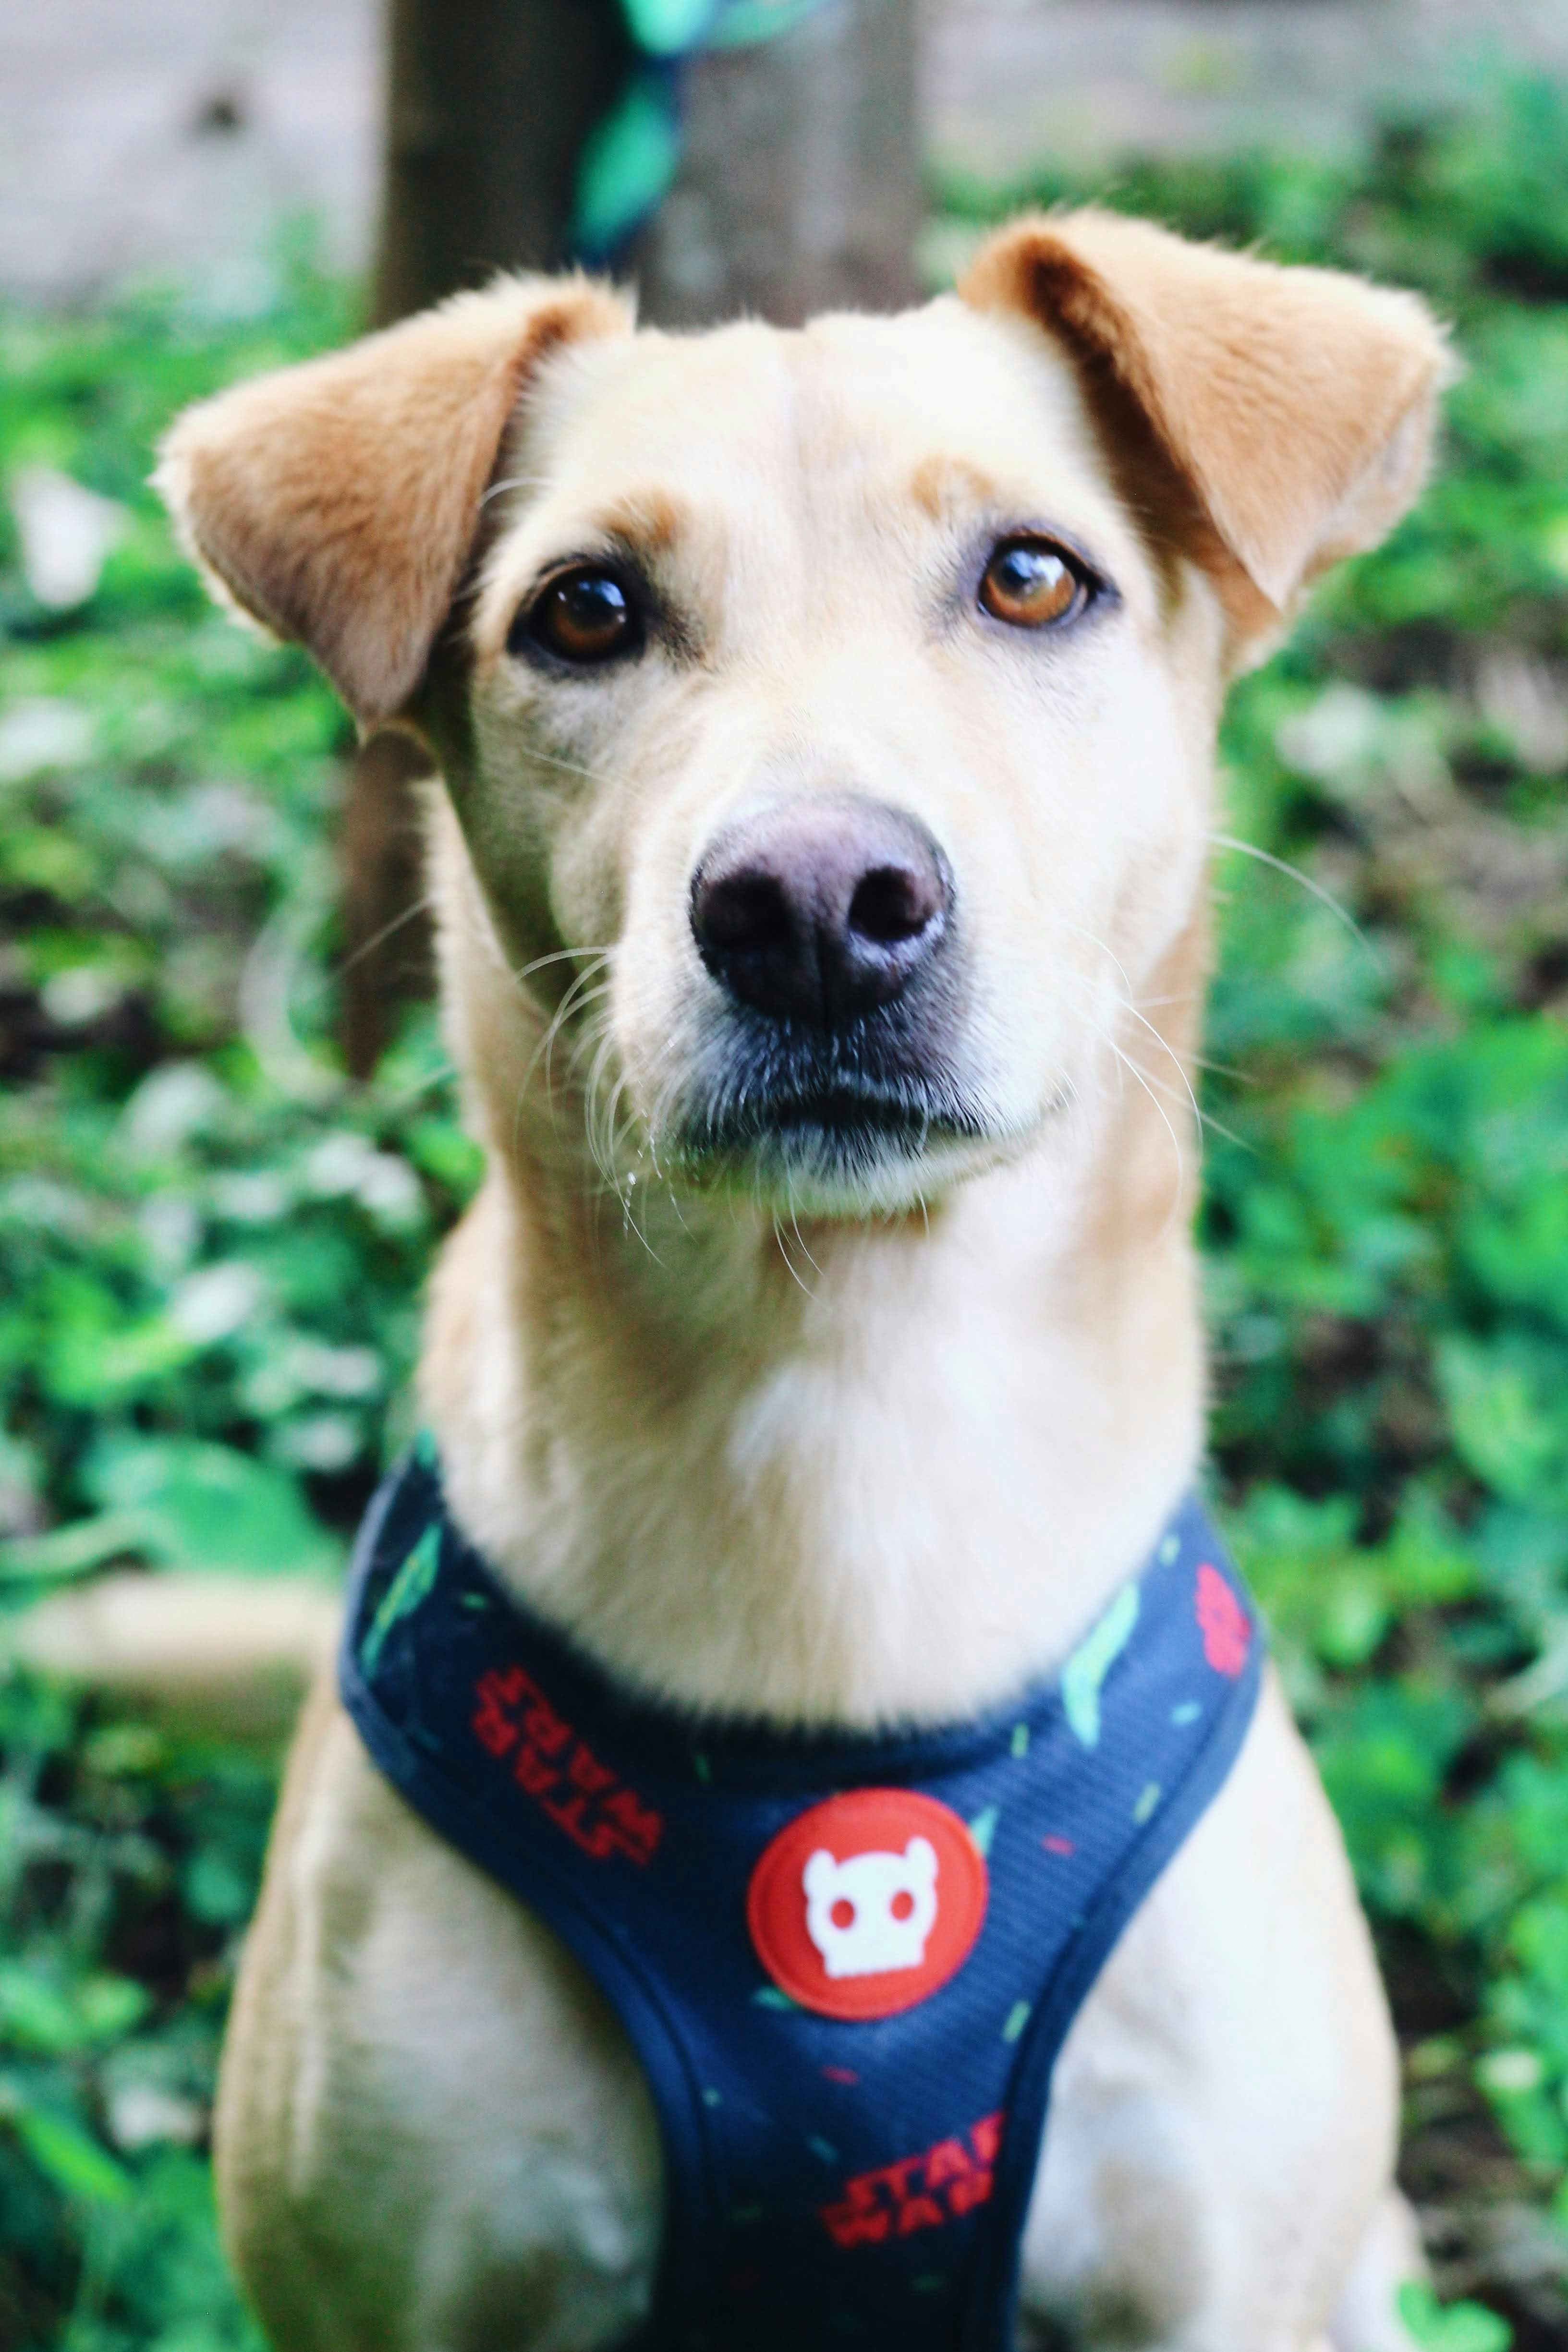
(1030, 583)
(584, 616)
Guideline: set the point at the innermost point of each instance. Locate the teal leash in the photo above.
(630, 158)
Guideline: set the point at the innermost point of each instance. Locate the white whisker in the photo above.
(514, 482)
(1325, 898)
(1176, 1140)
(420, 905)
(567, 767)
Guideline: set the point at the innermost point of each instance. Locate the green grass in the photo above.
(211, 1243)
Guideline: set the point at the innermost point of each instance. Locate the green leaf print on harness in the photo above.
(414, 1582)
(1086, 1670)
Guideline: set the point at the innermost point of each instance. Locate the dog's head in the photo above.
(827, 715)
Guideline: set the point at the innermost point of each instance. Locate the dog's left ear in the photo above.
(1296, 405)
(338, 502)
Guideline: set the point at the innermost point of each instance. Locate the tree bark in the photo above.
(488, 105)
(799, 188)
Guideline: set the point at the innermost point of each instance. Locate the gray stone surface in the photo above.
(117, 157)
(170, 136)
(1011, 80)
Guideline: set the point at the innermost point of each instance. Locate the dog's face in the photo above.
(829, 715)
(822, 685)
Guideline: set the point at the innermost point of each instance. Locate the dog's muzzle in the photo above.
(829, 924)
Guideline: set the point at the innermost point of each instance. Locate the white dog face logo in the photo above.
(874, 1912)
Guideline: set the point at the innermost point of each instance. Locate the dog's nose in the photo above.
(819, 909)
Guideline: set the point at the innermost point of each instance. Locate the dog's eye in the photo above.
(1030, 583)
(584, 616)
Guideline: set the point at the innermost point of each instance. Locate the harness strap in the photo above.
(846, 1964)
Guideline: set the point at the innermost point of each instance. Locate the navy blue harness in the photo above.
(846, 1964)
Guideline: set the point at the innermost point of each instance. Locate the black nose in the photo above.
(819, 909)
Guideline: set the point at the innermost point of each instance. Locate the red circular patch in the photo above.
(868, 1902)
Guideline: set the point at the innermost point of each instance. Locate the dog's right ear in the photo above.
(338, 502)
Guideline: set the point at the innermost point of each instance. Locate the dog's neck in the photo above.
(854, 1474)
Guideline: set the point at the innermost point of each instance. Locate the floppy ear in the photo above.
(1295, 404)
(338, 502)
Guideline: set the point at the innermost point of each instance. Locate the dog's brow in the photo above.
(648, 520)
(942, 481)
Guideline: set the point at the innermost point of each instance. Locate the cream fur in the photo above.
(851, 1451)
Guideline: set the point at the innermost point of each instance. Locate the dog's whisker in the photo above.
(424, 1085)
(558, 955)
(423, 905)
(1184, 1096)
(1123, 1062)
(579, 1004)
(545, 1047)
(800, 1237)
(605, 1133)
(1180, 1189)
(1173, 1057)
(514, 482)
(1127, 1005)
(567, 767)
(784, 1246)
(576, 995)
(591, 1124)
(1325, 898)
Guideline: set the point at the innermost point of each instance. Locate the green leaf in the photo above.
(41, 2015)
(212, 1507)
(183, 1504)
(1450, 2328)
(77, 2165)
(76, 1549)
(1508, 1401)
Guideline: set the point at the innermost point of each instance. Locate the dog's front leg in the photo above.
(1222, 2127)
(431, 2135)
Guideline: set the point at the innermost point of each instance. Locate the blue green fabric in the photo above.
(630, 158)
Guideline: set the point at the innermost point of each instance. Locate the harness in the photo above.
(845, 1963)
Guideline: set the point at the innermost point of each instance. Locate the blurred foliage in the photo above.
(211, 1249)
(211, 1244)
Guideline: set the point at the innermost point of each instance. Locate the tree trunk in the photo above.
(800, 182)
(488, 104)
(798, 190)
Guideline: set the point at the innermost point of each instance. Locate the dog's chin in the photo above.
(845, 1151)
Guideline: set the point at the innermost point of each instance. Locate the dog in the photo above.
(825, 724)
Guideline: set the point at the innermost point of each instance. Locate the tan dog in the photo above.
(861, 682)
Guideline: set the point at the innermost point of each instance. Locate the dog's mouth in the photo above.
(815, 1110)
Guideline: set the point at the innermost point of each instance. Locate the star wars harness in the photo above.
(846, 1964)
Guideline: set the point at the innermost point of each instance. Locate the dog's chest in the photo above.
(846, 1965)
